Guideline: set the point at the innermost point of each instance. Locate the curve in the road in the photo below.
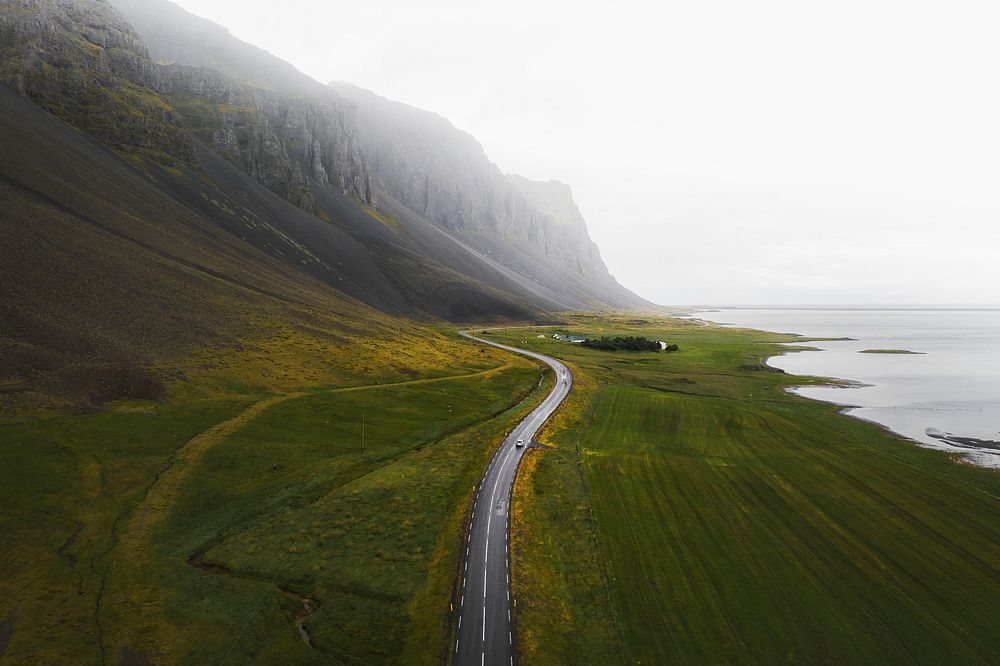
(485, 632)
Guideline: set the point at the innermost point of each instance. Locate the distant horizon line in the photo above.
(901, 307)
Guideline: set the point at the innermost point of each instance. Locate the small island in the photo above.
(888, 351)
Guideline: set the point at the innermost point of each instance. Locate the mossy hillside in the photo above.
(735, 522)
(100, 568)
(67, 482)
(84, 64)
(112, 278)
(383, 218)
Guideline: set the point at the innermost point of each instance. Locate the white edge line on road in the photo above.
(535, 419)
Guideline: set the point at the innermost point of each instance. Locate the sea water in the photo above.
(946, 397)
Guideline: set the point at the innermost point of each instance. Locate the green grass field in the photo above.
(690, 511)
(192, 530)
(731, 522)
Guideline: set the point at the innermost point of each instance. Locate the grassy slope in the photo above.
(102, 511)
(733, 522)
(207, 295)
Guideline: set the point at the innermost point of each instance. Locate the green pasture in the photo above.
(282, 506)
(731, 522)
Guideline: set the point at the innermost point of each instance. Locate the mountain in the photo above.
(554, 200)
(82, 62)
(224, 332)
(443, 174)
(166, 185)
(471, 196)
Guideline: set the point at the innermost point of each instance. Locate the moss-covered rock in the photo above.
(285, 142)
(82, 62)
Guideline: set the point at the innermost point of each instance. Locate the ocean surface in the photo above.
(946, 397)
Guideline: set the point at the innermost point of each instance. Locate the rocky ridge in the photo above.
(554, 200)
(444, 174)
(286, 130)
(159, 85)
(82, 61)
(288, 144)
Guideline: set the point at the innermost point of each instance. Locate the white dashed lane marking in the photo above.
(506, 463)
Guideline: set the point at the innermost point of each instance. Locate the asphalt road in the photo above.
(485, 631)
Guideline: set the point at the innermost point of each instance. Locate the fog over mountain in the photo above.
(319, 344)
(167, 186)
(764, 152)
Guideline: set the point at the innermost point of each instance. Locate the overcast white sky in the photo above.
(722, 152)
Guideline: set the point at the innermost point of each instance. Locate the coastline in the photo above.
(907, 418)
(982, 457)
(650, 458)
(972, 456)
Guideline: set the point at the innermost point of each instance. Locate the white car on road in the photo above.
(520, 442)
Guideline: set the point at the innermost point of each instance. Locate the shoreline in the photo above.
(965, 453)
(982, 457)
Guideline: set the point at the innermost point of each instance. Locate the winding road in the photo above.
(485, 629)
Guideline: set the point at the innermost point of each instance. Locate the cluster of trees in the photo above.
(630, 343)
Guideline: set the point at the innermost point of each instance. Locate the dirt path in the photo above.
(429, 380)
(162, 495)
(133, 596)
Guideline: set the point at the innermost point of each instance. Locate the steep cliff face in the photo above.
(441, 232)
(295, 135)
(555, 201)
(288, 144)
(174, 35)
(222, 142)
(444, 175)
(82, 62)
(282, 127)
